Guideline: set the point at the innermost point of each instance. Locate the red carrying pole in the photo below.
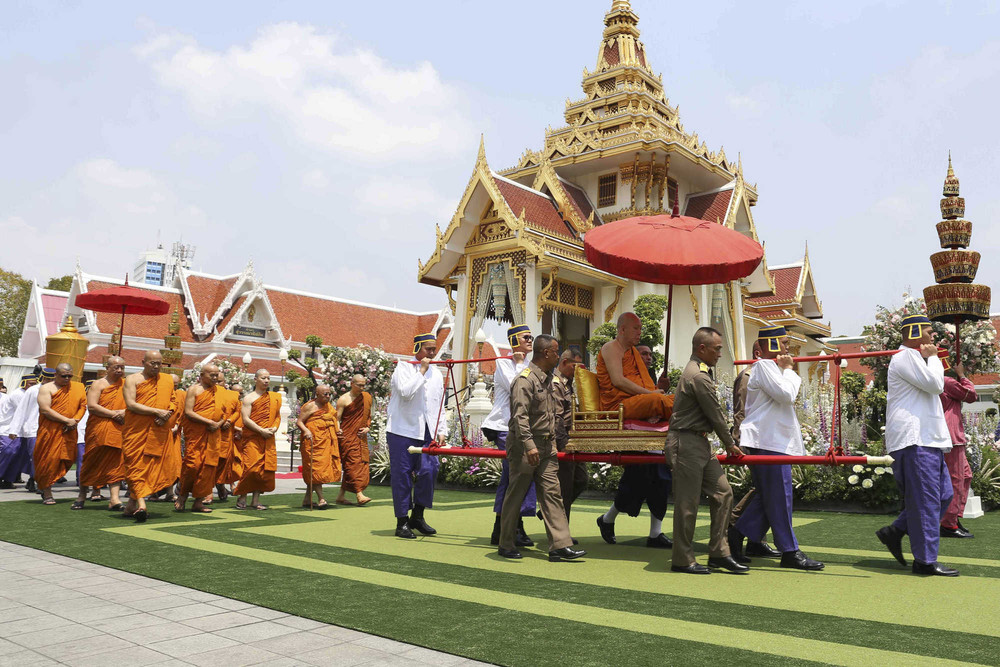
(623, 459)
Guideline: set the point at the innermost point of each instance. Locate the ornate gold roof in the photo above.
(623, 103)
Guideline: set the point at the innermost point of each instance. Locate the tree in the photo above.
(62, 284)
(15, 290)
(650, 308)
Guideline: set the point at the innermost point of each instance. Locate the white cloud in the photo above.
(315, 179)
(100, 211)
(332, 97)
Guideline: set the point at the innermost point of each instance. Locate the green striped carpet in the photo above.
(620, 604)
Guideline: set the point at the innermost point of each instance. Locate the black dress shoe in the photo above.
(892, 538)
(405, 532)
(607, 530)
(418, 524)
(509, 553)
(30, 486)
(760, 550)
(735, 539)
(521, 538)
(961, 527)
(4, 484)
(495, 536)
(694, 568)
(955, 532)
(566, 553)
(798, 560)
(727, 563)
(661, 541)
(934, 568)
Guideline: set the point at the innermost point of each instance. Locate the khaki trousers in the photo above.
(546, 478)
(696, 471)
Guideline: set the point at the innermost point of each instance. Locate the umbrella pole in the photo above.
(664, 376)
(121, 332)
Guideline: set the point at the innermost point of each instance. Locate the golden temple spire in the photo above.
(950, 181)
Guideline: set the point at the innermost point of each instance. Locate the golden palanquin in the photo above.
(596, 430)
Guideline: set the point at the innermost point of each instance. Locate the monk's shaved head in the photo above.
(112, 361)
(64, 368)
(152, 355)
(359, 378)
(628, 318)
(262, 371)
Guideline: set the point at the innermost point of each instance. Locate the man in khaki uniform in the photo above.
(572, 475)
(531, 453)
(695, 468)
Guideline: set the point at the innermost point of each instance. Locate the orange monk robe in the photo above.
(321, 454)
(103, 463)
(201, 447)
(143, 441)
(637, 406)
(230, 467)
(55, 447)
(353, 447)
(260, 460)
(171, 468)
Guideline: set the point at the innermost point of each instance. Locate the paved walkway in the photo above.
(59, 610)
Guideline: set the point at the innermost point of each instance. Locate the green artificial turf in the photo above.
(452, 593)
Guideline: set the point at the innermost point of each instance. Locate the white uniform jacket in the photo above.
(770, 422)
(415, 400)
(499, 417)
(913, 412)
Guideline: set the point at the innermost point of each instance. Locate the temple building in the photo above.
(225, 317)
(513, 251)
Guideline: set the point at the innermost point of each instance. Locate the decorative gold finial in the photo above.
(950, 181)
(68, 327)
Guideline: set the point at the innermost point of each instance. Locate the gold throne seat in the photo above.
(596, 430)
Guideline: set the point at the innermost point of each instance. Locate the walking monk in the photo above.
(230, 466)
(103, 463)
(61, 404)
(149, 404)
(623, 377)
(172, 456)
(320, 452)
(261, 416)
(202, 421)
(354, 414)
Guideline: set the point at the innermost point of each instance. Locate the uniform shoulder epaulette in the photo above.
(703, 367)
(555, 379)
(526, 372)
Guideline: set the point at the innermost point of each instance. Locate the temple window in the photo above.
(607, 190)
(671, 193)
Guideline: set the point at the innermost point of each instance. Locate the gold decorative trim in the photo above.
(546, 291)
(609, 312)
(694, 304)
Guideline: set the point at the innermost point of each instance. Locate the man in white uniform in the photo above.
(25, 426)
(12, 457)
(496, 424)
(771, 427)
(416, 418)
(916, 436)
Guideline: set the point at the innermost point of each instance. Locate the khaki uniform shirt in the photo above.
(562, 388)
(532, 413)
(696, 406)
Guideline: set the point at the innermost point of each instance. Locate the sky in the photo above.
(324, 140)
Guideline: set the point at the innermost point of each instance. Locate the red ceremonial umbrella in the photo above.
(672, 250)
(124, 299)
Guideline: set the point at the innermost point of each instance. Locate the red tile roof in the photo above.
(347, 324)
(539, 210)
(208, 293)
(711, 206)
(786, 286)
(232, 311)
(578, 198)
(611, 54)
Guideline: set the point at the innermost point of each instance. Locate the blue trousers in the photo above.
(28, 456)
(11, 458)
(530, 502)
(79, 460)
(404, 466)
(925, 484)
(771, 506)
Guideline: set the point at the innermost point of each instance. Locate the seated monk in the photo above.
(624, 379)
